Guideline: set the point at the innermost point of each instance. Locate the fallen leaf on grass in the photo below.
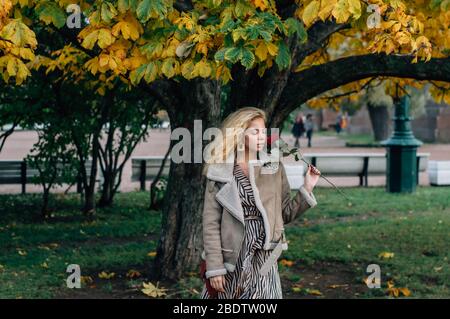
(296, 289)
(375, 281)
(287, 263)
(314, 292)
(21, 252)
(385, 255)
(86, 280)
(152, 254)
(133, 273)
(44, 265)
(105, 275)
(49, 246)
(153, 291)
(395, 292)
(337, 286)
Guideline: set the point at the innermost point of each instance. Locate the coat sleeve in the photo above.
(212, 216)
(296, 206)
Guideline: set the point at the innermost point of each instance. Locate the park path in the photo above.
(19, 144)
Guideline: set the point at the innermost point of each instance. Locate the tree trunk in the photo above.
(89, 193)
(153, 203)
(181, 240)
(45, 200)
(379, 117)
(106, 198)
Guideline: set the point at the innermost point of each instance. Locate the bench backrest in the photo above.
(152, 166)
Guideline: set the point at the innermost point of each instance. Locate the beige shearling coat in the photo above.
(223, 217)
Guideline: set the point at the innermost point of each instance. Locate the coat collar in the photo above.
(223, 172)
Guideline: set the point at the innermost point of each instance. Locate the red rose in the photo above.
(272, 138)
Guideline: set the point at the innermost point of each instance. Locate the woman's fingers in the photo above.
(313, 169)
(222, 284)
(218, 283)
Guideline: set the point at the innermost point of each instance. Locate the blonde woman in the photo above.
(246, 205)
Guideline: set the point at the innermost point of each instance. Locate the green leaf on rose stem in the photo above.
(286, 153)
(296, 157)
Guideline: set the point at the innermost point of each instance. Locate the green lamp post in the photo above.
(401, 161)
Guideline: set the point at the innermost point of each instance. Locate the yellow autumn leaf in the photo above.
(296, 289)
(105, 275)
(337, 286)
(310, 13)
(152, 254)
(105, 38)
(286, 263)
(44, 265)
(202, 69)
(223, 73)
(354, 7)
(18, 33)
(341, 11)
(261, 51)
(21, 252)
(314, 292)
(326, 6)
(405, 291)
(272, 49)
(386, 255)
(153, 291)
(186, 71)
(132, 273)
(261, 4)
(86, 280)
(129, 27)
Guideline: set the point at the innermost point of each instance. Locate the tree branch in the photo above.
(311, 82)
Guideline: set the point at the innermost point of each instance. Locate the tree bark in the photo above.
(379, 117)
(181, 240)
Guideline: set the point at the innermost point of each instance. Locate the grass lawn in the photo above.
(329, 249)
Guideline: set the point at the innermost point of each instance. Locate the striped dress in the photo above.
(245, 282)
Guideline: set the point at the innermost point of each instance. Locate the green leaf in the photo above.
(242, 8)
(247, 58)
(138, 74)
(168, 68)
(220, 55)
(295, 26)
(124, 5)
(149, 9)
(151, 72)
(283, 58)
(108, 12)
(51, 13)
(233, 54)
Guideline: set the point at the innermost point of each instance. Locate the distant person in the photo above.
(338, 124)
(344, 121)
(309, 127)
(298, 129)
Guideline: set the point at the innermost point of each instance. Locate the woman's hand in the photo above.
(218, 282)
(311, 178)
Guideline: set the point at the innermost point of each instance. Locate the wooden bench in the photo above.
(439, 173)
(145, 168)
(349, 164)
(18, 172)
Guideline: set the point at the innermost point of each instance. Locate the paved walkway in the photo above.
(20, 143)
